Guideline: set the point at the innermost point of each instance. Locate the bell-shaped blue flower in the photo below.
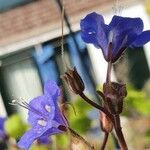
(113, 39)
(44, 116)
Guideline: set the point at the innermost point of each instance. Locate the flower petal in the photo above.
(2, 120)
(27, 139)
(122, 27)
(59, 117)
(33, 134)
(44, 140)
(39, 109)
(142, 39)
(94, 30)
(2, 130)
(121, 24)
(52, 131)
(52, 89)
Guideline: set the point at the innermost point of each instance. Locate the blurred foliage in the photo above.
(147, 5)
(62, 140)
(78, 120)
(136, 103)
(14, 126)
(39, 147)
(147, 137)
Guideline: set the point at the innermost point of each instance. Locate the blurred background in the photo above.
(30, 54)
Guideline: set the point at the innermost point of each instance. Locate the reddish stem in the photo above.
(116, 122)
(97, 106)
(104, 141)
(108, 77)
(119, 133)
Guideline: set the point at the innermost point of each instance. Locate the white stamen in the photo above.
(48, 108)
(42, 123)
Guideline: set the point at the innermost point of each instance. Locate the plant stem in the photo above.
(96, 106)
(116, 122)
(108, 77)
(104, 141)
(119, 133)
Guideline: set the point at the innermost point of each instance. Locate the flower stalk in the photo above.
(106, 134)
(114, 94)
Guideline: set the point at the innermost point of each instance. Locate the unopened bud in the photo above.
(78, 142)
(74, 81)
(106, 124)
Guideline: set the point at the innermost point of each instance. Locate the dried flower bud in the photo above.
(114, 95)
(74, 81)
(78, 142)
(106, 124)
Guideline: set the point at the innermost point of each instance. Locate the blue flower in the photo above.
(2, 130)
(113, 39)
(44, 116)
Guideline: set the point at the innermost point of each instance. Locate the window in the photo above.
(19, 79)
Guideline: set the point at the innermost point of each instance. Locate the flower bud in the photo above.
(74, 81)
(114, 95)
(106, 124)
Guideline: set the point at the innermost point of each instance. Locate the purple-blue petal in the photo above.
(2, 130)
(44, 140)
(94, 30)
(142, 39)
(124, 31)
(120, 24)
(38, 109)
(52, 89)
(33, 134)
(2, 120)
(27, 139)
(52, 131)
(59, 117)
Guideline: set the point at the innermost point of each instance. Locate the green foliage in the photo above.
(147, 6)
(62, 140)
(14, 126)
(39, 147)
(79, 121)
(136, 103)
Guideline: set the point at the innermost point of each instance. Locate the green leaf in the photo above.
(14, 126)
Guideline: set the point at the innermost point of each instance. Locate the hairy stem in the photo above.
(96, 106)
(104, 141)
(119, 133)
